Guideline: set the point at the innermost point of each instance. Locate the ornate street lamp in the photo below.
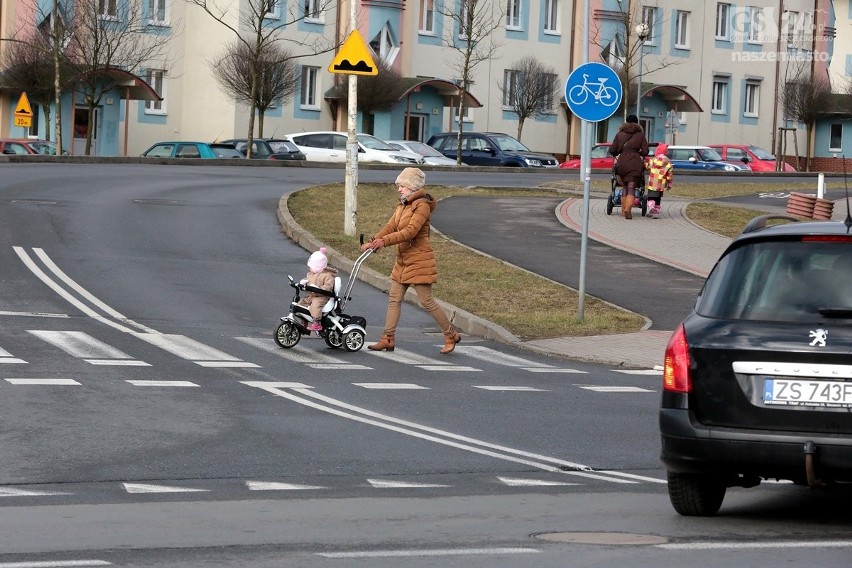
(642, 32)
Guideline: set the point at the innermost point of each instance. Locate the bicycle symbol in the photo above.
(604, 95)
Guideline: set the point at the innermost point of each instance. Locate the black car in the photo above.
(490, 149)
(757, 380)
(267, 149)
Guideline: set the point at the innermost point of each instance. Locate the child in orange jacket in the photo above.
(659, 179)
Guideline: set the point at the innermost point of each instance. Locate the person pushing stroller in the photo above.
(630, 148)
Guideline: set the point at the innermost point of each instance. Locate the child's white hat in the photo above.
(318, 261)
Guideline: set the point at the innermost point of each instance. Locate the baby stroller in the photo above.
(614, 199)
(338, 328)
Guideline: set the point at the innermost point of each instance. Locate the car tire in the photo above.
(696, 495)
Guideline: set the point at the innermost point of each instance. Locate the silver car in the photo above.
(430, 155)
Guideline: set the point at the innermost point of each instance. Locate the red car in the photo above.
(600, 157)
(28, 146)
(755, 157)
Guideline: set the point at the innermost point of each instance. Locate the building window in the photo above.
(313, 10)
(273, 9)
(649, 18)
(835, 138)
(751, 104)
(157, 11)
(107, 9)
(791, 18)
(720, 95)
(546, 104)
(551, 16)
(427, 17)
(463, 19)
(613, 54)
(384, 46)
(156, 78)
(756, 25)
(310, 87)
(682, 30)
(511, 82)
(513, 14)
(722, 24)
(468, 114)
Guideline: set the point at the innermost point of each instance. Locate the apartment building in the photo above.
(710, 71)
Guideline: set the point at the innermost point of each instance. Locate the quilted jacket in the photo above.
(408, 229)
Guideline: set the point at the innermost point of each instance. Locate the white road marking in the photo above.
(274, 486)
(150, 488)
(613, 388)
(192, 350)
(516, 389)
(144, 383)
(301, 354)
(32, 315)
(433, 434)
(226, 364)
(50, 382)
(451, 368)
(6, 357)
(389, 484)
(10, 492)
(409, 358)
(553, 370)
(391, 386)
(80, 344)
(654, 372)
(636, 477)
(514, 482)
(55, 564)
(118, 362)
(431, 552)
(493, 356)
(756, 545)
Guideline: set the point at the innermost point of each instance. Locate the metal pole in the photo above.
(585, 168)
(639, 84)
(350, 212)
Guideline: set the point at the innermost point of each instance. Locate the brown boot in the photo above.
(627, 204)
(450, 342)
(386, 343)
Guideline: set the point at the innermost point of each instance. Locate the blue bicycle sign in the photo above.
(593, 92)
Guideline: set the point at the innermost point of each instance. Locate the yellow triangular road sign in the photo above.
(354, 57)
(23, 107)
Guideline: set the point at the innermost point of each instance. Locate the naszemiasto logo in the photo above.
(768, 24)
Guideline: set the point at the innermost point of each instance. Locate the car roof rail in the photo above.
(762, 221)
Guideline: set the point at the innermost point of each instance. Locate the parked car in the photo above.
(331, 147)
(701, 158)
(757, 381)
(490, 149)
(226, 150)
(284, 150)
(600, 157)
(755, 157)
(181, 149)
(29, 146)
(429, 154)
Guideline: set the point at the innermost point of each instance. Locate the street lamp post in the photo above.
(642, 32)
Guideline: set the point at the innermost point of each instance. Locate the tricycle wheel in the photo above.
(353, 340)
(287, 335)
(333, 338)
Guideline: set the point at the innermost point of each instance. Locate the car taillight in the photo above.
(828, 238)
(676, 367)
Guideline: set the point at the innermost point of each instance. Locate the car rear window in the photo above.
(784, 280)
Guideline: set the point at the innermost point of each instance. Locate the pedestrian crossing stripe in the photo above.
(48, 382)
(613, 389)
(276, 486)
(144, 383)
(513, 389)
(391, 484)
(150, 488)
(391, 386)
(515, 482)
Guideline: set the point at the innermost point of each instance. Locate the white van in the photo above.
(331, 147)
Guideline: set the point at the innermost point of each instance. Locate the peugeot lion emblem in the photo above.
(819, 336)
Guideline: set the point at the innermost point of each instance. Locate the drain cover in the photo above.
(605, 538)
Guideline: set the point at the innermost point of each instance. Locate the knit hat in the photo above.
(412, 178)
(633, 119)
(661, 149)
(318, 261)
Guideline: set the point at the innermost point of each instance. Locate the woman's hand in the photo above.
(374, 244)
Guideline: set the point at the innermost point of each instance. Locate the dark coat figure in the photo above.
(630, 148)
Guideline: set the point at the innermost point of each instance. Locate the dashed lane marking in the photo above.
(151, 488)
(144, 383)
(50, 382)
(604, 388)
(392, 484)
(391, 386)
(512, 389)
(275, 486)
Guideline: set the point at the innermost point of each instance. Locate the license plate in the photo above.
(797, 392)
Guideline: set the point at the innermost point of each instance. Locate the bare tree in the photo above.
(529, 89)
(28, 64)
(471, 35)
(805, 100)
(622, 51)
(256, 24)
(103, 42)
(274, 68)
(375, 92)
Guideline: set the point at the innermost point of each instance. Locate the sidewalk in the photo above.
(672, 239)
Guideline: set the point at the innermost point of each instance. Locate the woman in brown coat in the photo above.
(408, 229)
(630, 147)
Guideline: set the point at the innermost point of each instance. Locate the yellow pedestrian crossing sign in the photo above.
(354, 57)
(23, 112)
